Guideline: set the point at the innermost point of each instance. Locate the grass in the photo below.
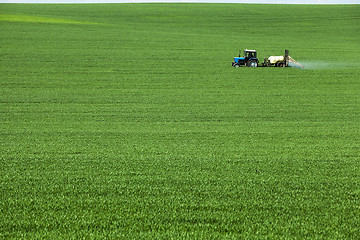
(35, 19)
(138, 127)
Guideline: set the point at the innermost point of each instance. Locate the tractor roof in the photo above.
(247, 50)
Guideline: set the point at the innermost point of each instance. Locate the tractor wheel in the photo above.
(236, 65)
(281, 64)
(252, 64)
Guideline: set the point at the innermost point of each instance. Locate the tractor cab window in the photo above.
(249, 54)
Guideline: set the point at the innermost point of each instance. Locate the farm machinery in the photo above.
(250, 60)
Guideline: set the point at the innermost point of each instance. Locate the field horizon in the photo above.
(315, 2)
(128, 121)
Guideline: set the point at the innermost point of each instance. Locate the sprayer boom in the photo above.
(293, 61)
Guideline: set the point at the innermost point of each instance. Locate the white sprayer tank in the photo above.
(275, 59)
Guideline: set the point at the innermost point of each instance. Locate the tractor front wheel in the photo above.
(252, 64)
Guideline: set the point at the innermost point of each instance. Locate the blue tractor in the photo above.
(249, 59)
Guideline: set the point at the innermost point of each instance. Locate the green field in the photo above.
(127, 121)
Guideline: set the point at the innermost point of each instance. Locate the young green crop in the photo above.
(128, 121)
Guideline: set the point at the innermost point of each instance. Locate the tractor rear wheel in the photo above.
(252, 64)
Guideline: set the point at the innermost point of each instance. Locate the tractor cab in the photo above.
(250, 54)
(249, 59)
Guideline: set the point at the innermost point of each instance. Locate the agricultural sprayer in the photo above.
(250, 60)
